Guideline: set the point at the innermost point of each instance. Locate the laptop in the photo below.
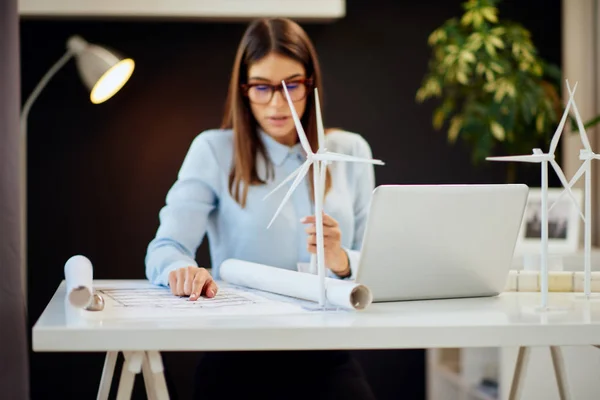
(440, 241)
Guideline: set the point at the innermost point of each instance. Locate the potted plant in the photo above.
(496, 93)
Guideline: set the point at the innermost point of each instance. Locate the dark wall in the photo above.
(98, 174)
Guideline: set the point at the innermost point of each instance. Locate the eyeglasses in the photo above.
(262, 93)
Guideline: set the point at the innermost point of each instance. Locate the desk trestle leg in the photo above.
(519, 374)
(154, 377)
(107, 375)
(560, 372)
(147, 362)
(131, 367)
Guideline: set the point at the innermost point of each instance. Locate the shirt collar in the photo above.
(278, 152)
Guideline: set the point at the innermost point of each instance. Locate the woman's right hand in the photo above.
(193, 282)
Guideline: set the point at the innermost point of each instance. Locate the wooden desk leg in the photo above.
(519, 374)
(158, 375)
(560, 372)
(148, 378)
(131, 367)
(107, 375)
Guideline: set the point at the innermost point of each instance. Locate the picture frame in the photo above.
(564, 223)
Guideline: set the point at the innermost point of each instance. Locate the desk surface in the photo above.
(510, 319)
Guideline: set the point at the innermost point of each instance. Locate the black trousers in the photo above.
(281, 375)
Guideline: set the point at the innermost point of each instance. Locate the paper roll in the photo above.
(79, 279)
(339, 293)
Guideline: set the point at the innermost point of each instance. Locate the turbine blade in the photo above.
(286, 180)
(578, 174)
(330, 156)
(531, 158)
(561, 125)
(581, 128)
(574, 179)
(320, 129)
(567, 188)
(301, 133)
(297, 181)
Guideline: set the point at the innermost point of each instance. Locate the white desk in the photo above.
(510, 319)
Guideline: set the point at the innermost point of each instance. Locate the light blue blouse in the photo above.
(199, 204)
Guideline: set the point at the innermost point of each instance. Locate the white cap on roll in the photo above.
(79, 279)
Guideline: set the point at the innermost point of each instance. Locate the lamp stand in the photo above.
(23, 178)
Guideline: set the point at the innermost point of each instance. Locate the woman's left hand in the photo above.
(335, 257)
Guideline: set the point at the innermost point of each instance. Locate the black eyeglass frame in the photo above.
(308, 82)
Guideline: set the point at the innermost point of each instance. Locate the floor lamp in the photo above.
(104, 73)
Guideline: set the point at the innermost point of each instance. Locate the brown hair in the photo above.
(262, 37)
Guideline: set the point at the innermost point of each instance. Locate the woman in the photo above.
(220, 190)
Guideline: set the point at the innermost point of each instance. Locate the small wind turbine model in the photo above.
(586, 155)
(544, 158)
(319, 161)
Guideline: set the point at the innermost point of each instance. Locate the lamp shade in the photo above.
(103, 71)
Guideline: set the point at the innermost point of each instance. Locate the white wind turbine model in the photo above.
(586, 155)
(544, 158)
(318, 160)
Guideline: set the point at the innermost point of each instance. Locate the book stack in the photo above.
(558, 281)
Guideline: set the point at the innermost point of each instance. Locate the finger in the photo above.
(211, 288)
(328, 242)
(198, 284)
(190, 274)
(332, 233)
(312, 248)
(327, 231)
(328, 220)
(173, 281)
(180, 281)
(308, 219)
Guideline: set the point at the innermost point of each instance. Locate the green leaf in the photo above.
(496, 41)
(437, 36)
(467, 18)
(455, 125)
(439, 116)
(489, 13)
(592, 122)
(498, 31)
(497, 67)
(489, 47)
(525, 106)
(467, 56)
(480, 69)
(552, 71)
(497, 131)
(477, 19)
(462, 77)
(539, 123)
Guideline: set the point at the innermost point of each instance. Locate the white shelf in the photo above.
(477, 394)
(456, 379)
(317, 10)
(451, 376)
(452, 373)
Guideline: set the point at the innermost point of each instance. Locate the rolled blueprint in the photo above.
(340, 293)
(79, 277)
